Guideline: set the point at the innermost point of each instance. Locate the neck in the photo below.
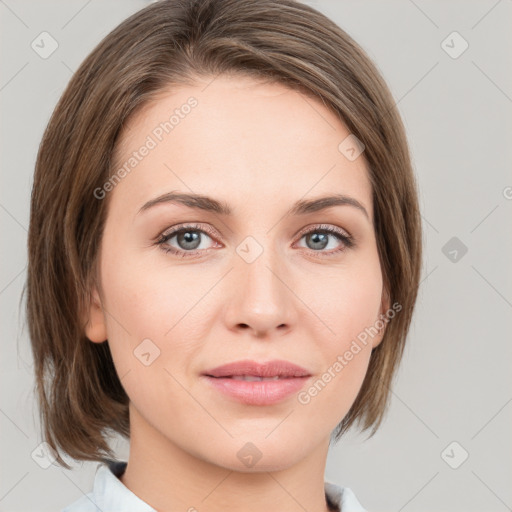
(169, 478)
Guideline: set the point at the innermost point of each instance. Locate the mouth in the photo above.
(246, 369)
(250, 378)
(253, 383)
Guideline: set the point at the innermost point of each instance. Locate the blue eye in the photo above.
(319, 238)
(190, 238)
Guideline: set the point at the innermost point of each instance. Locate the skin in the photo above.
(259, 148)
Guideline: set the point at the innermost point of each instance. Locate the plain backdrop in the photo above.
(446, 443)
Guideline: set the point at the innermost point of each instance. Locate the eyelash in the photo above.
(347, 240)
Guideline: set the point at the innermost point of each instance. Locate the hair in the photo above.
(173, 43)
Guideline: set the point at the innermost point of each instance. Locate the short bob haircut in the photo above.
(170, 43)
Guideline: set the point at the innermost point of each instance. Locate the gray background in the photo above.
(454, 384)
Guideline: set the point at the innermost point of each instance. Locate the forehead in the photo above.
(239, 135)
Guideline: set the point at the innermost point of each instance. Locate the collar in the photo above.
(109, 493)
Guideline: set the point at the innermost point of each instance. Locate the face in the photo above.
(263, 282)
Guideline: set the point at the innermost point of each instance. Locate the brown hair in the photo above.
(171, 42)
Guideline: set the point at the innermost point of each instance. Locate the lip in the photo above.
(290, 379)
(276, 367)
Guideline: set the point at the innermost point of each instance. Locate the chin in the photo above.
(260, 454)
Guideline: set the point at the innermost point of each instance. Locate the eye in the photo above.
(192, 240)
(189, 240)
(317, 239)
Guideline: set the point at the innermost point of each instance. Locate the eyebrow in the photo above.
(301, 207)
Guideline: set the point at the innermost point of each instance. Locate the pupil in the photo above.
(319, 238)
(190, 239)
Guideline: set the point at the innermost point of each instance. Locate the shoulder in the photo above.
(342, 498)
(89, 501)
(83, 504)
(109, 493)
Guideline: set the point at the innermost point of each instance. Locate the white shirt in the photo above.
(109, 494)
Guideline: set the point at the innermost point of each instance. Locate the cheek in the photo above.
(155, 318)
(153, 333)
(334, 388)
(347, 301)
(146, 297)
(349, 308)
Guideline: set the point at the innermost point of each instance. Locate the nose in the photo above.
(260, 296)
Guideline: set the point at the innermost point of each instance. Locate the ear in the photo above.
(95, 327)
(382, 318)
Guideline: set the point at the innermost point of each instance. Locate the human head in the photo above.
(171, 45)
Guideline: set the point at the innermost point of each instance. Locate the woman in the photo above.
(224, 257)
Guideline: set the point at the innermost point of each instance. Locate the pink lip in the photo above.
(291, 379)
(277, 367)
